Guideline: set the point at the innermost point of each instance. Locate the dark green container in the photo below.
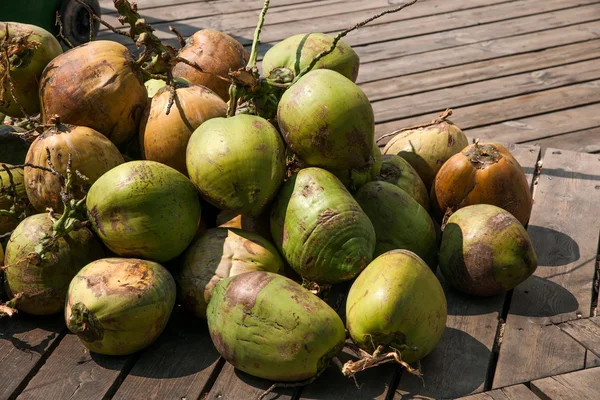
(42, 13)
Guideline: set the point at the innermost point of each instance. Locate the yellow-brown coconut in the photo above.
(216, 53)
(92, 155)
(97, 85)
(483, 173)
(164, 137)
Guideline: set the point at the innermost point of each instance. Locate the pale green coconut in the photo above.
(397, 302)
(118, 306)
(236, 163)
(284, 61)
(144, 209)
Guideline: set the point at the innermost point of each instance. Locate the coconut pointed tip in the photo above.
(84, 323)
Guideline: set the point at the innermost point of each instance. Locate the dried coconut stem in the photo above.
(350, 368)
(179, 37)
(9, 308)
(443, 116)
(340, 35)
(58, 22)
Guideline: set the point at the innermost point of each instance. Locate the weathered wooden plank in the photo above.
(458, 366)
(485, 50)
(398, 28)
(179, 365)
(587, 141)
(477, 34)
(546, 127)
(580, 385)
(564, 229)
(25, 341)
(480, 71)
(234, 384)
(586, 332)
(507, 109)
(72, 372)
(517, 392)
(492, 89)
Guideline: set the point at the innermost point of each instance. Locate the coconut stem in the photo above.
(84, 323)
(442, 118)
(343, 33)
(256, 40)
(247, 77)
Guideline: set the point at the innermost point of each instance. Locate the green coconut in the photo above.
(29, 48)
(427, 148)
(144, 209)
(218, 254)
(13, 147)
(353, 178)
(328, 121)
(154, 85)
(398, 171)
(485, 251)
(236, 163)
(42, 278)
(271, 327)
(320, 229)
(118, 306)
(13, 198)
(399, 221)
(284, 61)
(397, 302)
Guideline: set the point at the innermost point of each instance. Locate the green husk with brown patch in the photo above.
(43, 278)
(218, 254)
(236, 163)
(485, 251)
(399, 221)
(320, 229)
(327, 120)
(271, 327)
(118, 306)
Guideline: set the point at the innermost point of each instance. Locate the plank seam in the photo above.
(560, 134)
(596, 283)
(524, 93)
(40, 363)
(212, 378)
(475, 24)
(500, 76)
(394, 384)
(127, 367)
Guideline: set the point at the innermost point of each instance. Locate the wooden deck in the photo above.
(519, 71)
(525, 71)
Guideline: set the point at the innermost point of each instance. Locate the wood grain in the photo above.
(564, 228)
(580, 385)
(72, 372)
(586, 332)
(480, 71)
(178, 365)
(492, 89)
(517, 392)
(25, 341)
(549, 128)
(507, 109)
